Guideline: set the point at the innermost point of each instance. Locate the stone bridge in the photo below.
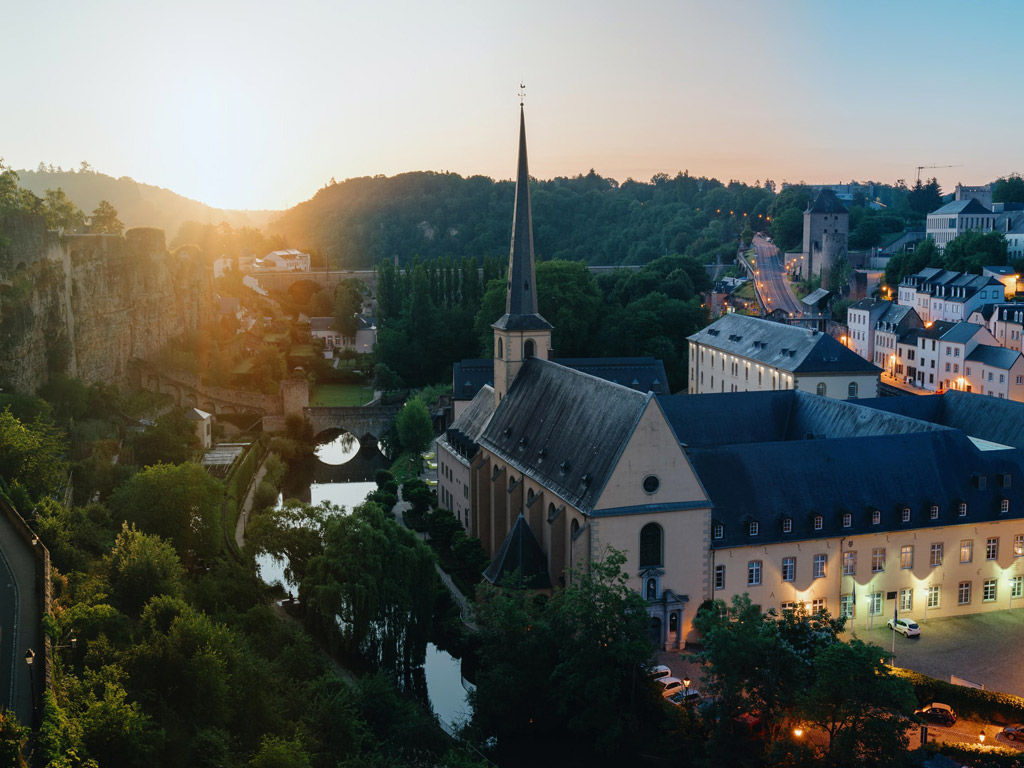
(373, 420)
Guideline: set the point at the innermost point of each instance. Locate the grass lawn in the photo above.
(301, 350)
(327, 395)
(745, 291)
(406, 467)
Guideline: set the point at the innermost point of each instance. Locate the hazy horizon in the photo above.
(246, 106)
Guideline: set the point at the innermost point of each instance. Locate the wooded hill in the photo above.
(358, 222)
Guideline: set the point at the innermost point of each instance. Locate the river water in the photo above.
(342, 474)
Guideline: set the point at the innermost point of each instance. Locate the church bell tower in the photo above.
(521, 332)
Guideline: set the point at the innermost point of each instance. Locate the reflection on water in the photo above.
(340, 450)
(448, 697)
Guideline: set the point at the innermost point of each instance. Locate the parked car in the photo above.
(689, 697)
(660, 671)
(670, 685)
(906, 627)
(1014, 732)
(942, 714)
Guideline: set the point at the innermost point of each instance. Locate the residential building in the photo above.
(1006, 274)
(954, 347)
(895, 324)
(289, 260)
(861, 319)
(738, 353)
(982, 193)
(994, 371)
(1007, 324)
(956, 217)
(363, 341)
(939, 294)
(202, 422)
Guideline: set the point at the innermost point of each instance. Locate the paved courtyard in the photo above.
(983, 648)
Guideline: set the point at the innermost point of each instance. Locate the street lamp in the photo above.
(686, 686)
(798, 732)
(981, 737)
(30, 656)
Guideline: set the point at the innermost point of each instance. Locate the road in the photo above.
(770, 273)
(19, 622)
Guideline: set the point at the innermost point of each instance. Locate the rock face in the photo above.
(87, 304)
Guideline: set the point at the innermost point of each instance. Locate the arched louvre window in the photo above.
(650, 545)
(529, 349)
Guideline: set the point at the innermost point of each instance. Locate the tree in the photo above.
(13, 737)
(910, 263)
(787, 228)
(415, 429)
(864, 709)
(972, 250)
(276, 752)
(60, 212)
(385, 379)
(140, 567)
(32, 455)
(925, 198)
(178, 502)
(104, 220)
(348, 303)
(172, 440)
(1008, 189)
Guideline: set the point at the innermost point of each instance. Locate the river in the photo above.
(342, 474)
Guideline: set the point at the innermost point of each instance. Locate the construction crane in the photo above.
(922, 167)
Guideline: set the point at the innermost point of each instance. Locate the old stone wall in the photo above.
(87, 304)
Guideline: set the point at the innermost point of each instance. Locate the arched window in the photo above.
(650, 545)
(821, 388)
(529, 496)
(574, 528)
(511, 482)
(528, 348)
(501, 350)
(851, 391)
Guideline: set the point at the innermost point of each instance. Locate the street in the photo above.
(20, 627)
(770, 273)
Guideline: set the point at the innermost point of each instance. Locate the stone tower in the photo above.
(826, 215)
(521, 332)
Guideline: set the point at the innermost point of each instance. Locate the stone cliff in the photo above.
(87, 304)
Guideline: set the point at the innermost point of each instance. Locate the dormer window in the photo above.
(819, 522)
(718, 531)
(933, 513)
(753, 528)
(906, 514)
(876, 517)
(962, 511)
(1004, 506)
(787, 525)
(847, 520)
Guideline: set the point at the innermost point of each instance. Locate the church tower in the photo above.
(521, 332)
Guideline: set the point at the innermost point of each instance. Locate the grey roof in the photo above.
(997, 357)
(464, 433)
(989, 418)
(962, 206)
(869, 304)
(520, 556)
(469, 375)
(826, 202)
(961, 333)
(321, 323)
(1008, 311)
(1004, 269)
(564, 428)
(815, 296)
(521, 298)
(895, 315)
(787, 347)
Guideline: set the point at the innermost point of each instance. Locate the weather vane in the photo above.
(522, 93)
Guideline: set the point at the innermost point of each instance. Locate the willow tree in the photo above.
(371, 592)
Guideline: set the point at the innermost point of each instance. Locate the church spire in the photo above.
(521, 297)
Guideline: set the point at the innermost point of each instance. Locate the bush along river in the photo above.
(342, 472)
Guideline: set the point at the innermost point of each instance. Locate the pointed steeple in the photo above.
(521, 298)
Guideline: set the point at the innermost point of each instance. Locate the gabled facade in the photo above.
(955, 218)
(861, 319)
(938, 294)
(1007, 325)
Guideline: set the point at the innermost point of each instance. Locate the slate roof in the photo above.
(768, 483)
(961, 206)
(869, 304)
(194, 414)
(787, 347)
(893, 316)
(469, 375)
(520, 555)
(321, 323)
(961, 333)
(826, 201)
(464, 433)
(815, 296)
(1007, 311)
(997, 357)
(644, 374)
(563, 428)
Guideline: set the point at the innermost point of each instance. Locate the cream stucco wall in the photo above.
(508, 355)
(452, 481)
(838, 386)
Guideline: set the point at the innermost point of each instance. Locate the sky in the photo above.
(258, 104)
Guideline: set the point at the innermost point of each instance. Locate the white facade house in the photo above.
(738, 353)
(363, 341)
(939, 294)
(1007, 325)
(957, 217)
(289, 261)
(954, 347)
(203, 424)
(861, 319)
(994, 371)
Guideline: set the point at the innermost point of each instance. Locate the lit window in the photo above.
(849, 563)
(964, 593)
(966, 550)
(1018, 545)
(878, 559)
(820, 563)
(907, 556)
(754, 573)
(788, 568)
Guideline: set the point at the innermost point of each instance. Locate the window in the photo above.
(906, 514)
(820, 564)
(875, 603)
(753, 529)
(501, 350)
(849, 563)
(817, 605)
(528, 348)
(846, 606)
(1018, 545)
(788, 605)
(718, 531)
(907, 556)
(821, 388)
(788, 568)
(992, 548)
(962, 509)
(933, 513)
(1004, 506)
(847, 520)
(787, 525)
(963, 593)
(878, 559)
(719, 577)
(650, 546)
(1016, 587)
(876, 517)
(966, 550)
(933, 597)
(754, 573)
(988, 591)
(819, 522)
(906, 599)
(936, 556)
(851, 391)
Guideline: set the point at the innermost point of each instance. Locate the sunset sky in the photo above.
(257, 104)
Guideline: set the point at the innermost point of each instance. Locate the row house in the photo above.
(1007, 325)
(939, 294)
(994, 371)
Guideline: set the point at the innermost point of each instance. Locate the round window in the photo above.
(651, 484)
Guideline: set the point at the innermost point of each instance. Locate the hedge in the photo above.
(981, 755)
(974, 703)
